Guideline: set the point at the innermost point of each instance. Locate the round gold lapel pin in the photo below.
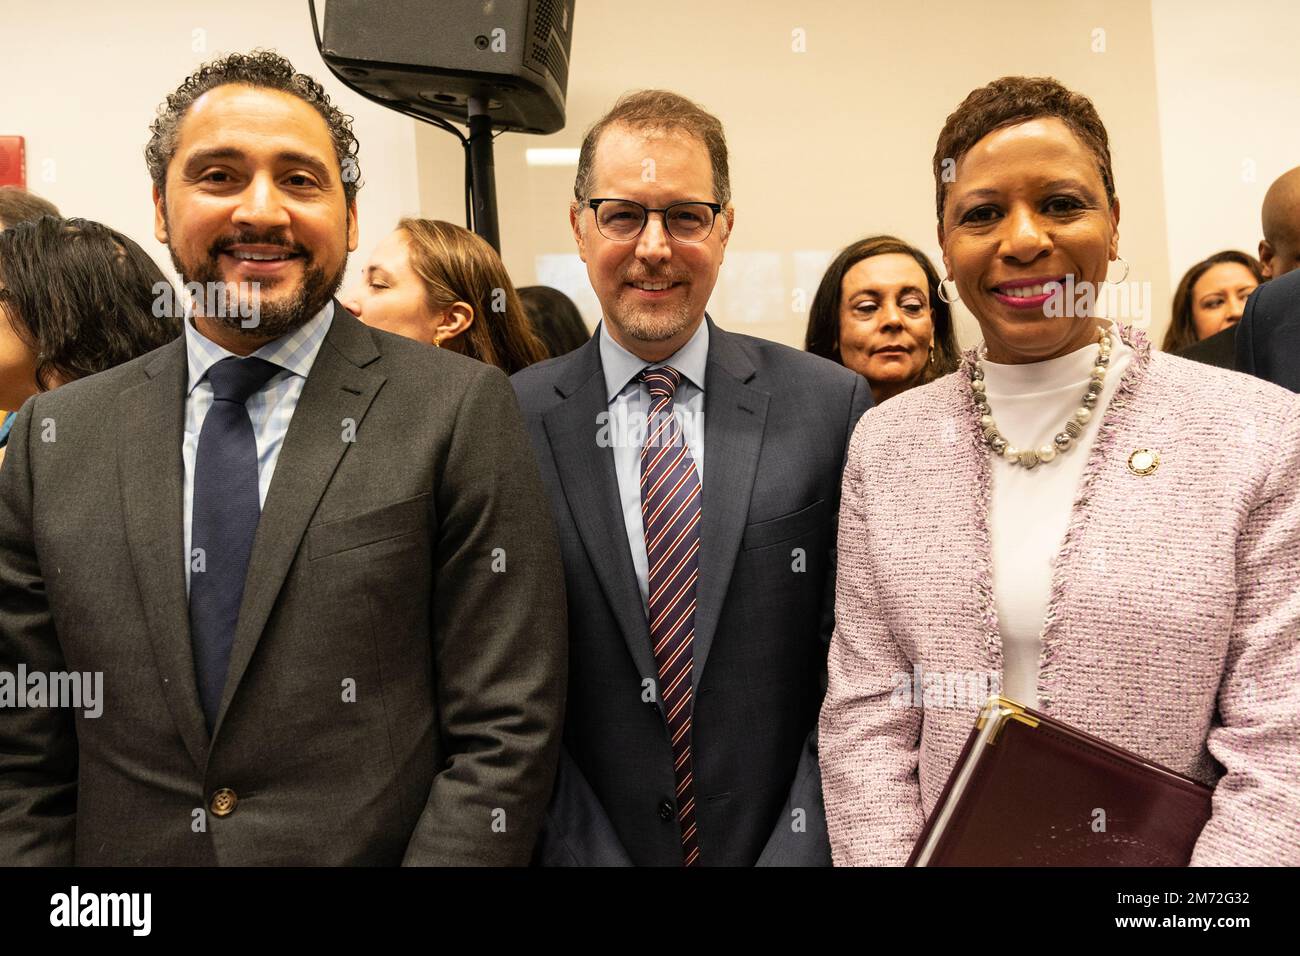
(1143, 462)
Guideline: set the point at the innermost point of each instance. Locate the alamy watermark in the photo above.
(78, 690)
(1129, 302)
(216, 300)
(963, 690)
(623, 427)
(75, 908)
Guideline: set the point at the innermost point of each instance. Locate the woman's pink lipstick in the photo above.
(1028, 302)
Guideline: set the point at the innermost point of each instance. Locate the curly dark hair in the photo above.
(264, 69)
(1018, 99)
(84, 297)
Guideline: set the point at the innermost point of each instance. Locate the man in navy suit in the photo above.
(1268, 336)
(694, 475)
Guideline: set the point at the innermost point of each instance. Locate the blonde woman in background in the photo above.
(438, 283)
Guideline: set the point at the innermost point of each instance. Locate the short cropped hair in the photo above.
(1007, 102)
(658, 110)
(263, 69)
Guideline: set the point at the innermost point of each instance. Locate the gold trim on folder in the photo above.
(1003, 709)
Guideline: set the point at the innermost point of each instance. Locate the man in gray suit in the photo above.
(308, 563)
(695, 479)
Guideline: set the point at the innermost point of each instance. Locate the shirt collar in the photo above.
(621, 366)
(295, 351)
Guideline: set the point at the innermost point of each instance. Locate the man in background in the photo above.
(1267, 339)
(1279, 250)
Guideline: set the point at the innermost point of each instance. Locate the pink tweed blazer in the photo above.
(1173, 627)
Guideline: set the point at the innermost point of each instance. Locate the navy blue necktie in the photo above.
(223, 522)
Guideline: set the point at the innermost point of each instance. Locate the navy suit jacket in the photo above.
(777, 427)
(1219, 350)
(1268, 336)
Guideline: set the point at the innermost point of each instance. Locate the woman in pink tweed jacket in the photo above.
(1172, 626)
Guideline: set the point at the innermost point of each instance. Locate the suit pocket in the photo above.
(785, 528)
(369, 527)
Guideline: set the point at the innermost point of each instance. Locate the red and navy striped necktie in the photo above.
(670, 513)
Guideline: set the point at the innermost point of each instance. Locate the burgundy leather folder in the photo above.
(1029, 790)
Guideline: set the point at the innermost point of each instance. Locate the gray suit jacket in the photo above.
(777, 427)
(396, 686)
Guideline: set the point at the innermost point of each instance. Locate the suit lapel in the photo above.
(151, 417)
(338, 388)
(590, 484)
(734, 415)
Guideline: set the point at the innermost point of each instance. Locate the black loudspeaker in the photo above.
(432, 57)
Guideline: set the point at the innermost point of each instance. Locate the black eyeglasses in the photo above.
(623, 219)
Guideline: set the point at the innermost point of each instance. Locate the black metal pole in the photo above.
(483, 174)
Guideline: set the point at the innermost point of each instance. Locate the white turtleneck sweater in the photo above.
(1029, 510)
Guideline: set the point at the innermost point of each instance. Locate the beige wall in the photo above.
(82, 79)
(830, 144)
(1229, 119)
(827, 145)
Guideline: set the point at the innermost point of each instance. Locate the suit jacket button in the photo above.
(665, 810)
(223, 802)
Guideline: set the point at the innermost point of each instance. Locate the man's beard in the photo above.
(274, 317)
(654, 324)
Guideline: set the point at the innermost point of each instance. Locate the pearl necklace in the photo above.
(1064, 439)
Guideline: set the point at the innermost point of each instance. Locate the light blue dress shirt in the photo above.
(629, 408)
(270, 408)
